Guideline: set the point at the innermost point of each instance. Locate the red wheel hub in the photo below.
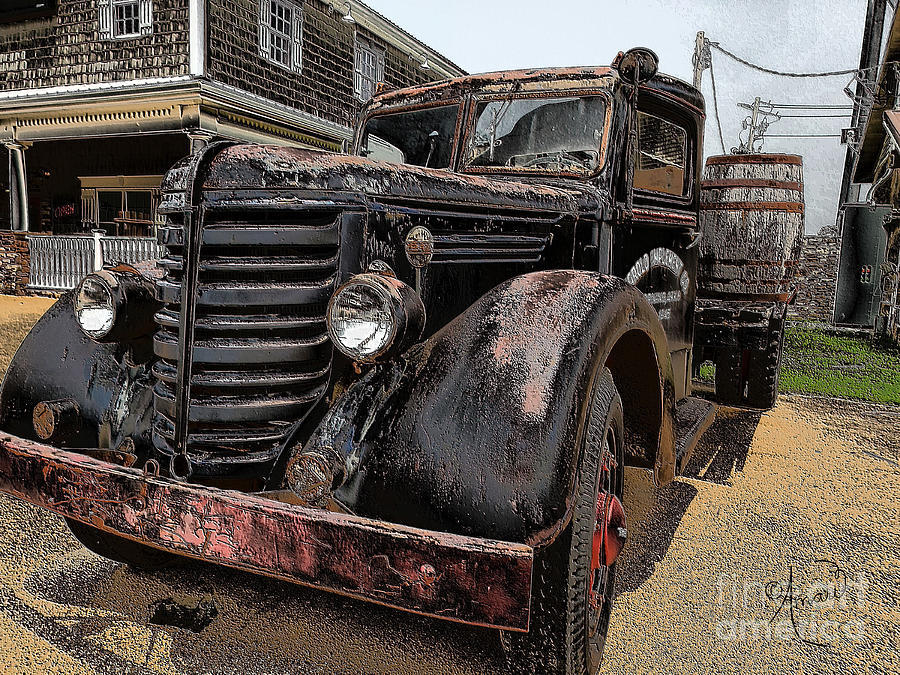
(609, 540)
(610, 533)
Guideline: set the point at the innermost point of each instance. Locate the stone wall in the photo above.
(818, 279)
(13, 263)
(66, 49)
(325, 85)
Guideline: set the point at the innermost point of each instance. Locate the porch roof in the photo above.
(163, 105)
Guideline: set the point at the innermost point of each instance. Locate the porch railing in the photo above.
(60, 262)
(129, 250)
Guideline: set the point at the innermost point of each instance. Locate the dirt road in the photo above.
(780, 553)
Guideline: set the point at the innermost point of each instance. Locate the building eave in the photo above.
(873, 139)
(163, 105)
(387, 30)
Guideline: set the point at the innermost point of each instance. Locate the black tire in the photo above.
(119, 549)
(567, 633)
(729, 376)
(765, 373)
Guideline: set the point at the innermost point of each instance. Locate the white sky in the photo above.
(788, 35)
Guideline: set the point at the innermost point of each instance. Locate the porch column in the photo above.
(18, 187)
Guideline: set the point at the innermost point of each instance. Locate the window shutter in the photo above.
(263, 29)
(379, 70)
(357, 68)
(105, 19)
(145, 12)
(297, 48)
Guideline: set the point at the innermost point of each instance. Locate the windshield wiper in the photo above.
(432, 144)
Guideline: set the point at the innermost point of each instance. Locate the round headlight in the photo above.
(373, 315)
(115, 305)
(95, 307)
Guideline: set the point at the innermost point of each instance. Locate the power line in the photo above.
(712, 78)
(771, 71)
(803, 136)
(800, 106)
(817, 117)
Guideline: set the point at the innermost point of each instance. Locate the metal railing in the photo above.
(60, 262)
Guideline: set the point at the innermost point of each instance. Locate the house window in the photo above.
(121, 205)
(122, 19)
(24, 10)
(368, 69)
(281, 33)
(125, 18)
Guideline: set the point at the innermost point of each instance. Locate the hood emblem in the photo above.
(419, 247)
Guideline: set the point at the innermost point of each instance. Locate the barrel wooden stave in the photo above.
(752, 222)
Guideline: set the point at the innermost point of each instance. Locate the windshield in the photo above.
(546, 135)
(419, 137)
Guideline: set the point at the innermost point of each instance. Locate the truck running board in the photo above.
(448, 576)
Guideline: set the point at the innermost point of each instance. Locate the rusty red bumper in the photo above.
(444, 575)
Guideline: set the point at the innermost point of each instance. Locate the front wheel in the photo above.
(574, 576)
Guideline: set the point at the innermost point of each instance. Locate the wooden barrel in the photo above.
(751, 216)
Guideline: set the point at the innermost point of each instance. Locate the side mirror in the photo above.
(637, 66)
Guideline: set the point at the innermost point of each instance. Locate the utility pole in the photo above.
(762, 115)
(754, 120)
(699, 58)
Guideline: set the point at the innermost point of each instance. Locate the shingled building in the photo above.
(99, 97)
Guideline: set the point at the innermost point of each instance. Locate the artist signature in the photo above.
(798, 605)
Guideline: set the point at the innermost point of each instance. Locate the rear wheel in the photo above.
(729, 376)
(574, 586)
(765, 373)
(119, 549)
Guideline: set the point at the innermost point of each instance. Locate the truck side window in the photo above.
(662, 154)
(419, 137)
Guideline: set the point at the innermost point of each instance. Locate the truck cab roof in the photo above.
(533, 79)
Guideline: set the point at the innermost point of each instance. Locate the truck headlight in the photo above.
(115, 305)
(95, 307)
(373, 316)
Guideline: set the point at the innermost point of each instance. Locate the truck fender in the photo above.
(57, 362)
(477, 429)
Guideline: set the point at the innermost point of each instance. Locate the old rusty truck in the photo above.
(412, 374)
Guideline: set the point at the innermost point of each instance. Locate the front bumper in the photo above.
(474, 581)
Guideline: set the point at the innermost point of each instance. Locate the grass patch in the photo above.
(706, 372)
(817, 361)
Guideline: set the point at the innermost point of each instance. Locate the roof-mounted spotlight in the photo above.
(425, 65)
(348, 17)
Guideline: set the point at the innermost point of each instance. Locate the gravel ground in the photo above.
(779, 552)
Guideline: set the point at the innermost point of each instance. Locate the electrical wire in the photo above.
(817, 117)
(800, 106)
(712, 77)
(803, 136)
(770, 71)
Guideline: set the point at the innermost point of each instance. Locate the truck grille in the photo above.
(261, 355)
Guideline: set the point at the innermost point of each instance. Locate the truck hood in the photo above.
(256, 167)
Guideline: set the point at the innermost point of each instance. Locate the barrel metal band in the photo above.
(795, 160)
(750, 183)
(788, 207)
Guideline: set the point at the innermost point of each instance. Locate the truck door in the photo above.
(655, 247)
